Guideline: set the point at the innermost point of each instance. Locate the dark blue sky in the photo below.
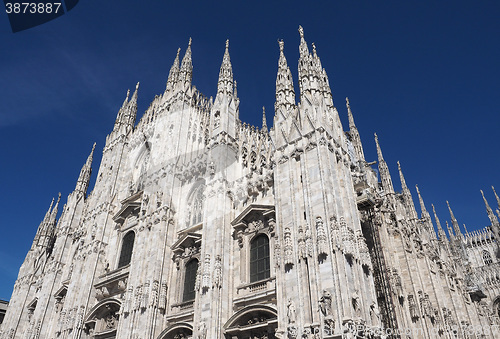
(424, 75)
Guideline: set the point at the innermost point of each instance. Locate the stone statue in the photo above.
(325, 303)
(291, 311)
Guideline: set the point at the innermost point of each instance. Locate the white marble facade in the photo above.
(202, 226)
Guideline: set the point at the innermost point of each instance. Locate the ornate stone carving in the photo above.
(322, 242)
(412, 305)
(205, 284)
(163, 296)
(217, 272)
(288, 246)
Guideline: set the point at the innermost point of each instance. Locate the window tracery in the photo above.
(487, 257)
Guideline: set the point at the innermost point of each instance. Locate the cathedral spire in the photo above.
(303, 49)
(450, 232)
(305, 65)
(125, 102)
(425, 214)
(496, 196)
(53, 214)
(83, 181)
(225, 84)
(353, 131)
(495, 226)
(42, 228)
(285, 94)
(128, 112)
(408, 199)
(264, 122)
(173, 75)
(456, 227)
(186, 71)
(224, 115)
(385, 176)
(441, 232)
(312, 77)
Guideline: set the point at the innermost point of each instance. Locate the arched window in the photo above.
(259, 258)
(190, 280)
(195, 205)
(487, 257)
(127, 248)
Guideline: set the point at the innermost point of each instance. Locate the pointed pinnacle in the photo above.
(450, 231)
(379, 150)
(496, 196)
(282, 45)
(352, 125)
(314, 50)
(49, 211)
(425, 214)
(126, 99)
(454, 221)
(303, 49)
(54, 211)
(91, 155)
(491, 215)
(441, 233)
(401, 177)
(451, 212)
(264, 122)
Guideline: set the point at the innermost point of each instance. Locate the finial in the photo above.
(347, 103)
(264, 122)
(93, 147)
(178, 51)
(227, 43)
(137, 86)
(190, 40)
(314, 49)
(301, 31)
(282, 45)
(128, 93)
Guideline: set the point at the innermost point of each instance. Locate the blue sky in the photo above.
(423, 75)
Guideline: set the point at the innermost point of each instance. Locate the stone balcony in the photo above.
(256, 292)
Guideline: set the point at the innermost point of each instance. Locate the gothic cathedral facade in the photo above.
(202, 226)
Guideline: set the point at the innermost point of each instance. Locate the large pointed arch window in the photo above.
(127, 248)
(259, 258)
(190, 280)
